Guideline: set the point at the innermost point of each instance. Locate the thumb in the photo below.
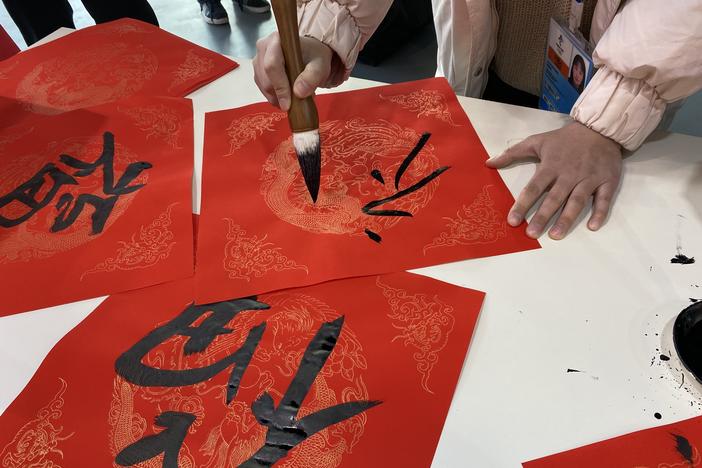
(519, 152)
(311, 78)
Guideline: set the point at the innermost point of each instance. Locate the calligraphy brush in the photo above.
(303, 118)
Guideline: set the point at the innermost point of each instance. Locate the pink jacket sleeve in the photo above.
(648, 57)
(343, 25)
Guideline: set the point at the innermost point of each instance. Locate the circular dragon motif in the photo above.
(89, 77)
(227, 435)
(350, 152)
(33, 239)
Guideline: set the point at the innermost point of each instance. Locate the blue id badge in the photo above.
(568, 67)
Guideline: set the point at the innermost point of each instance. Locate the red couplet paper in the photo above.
(356, 372)
(104, 63)
(675, 445)
(403, 185)
(95, 201)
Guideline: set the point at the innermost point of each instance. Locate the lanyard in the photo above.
(576, 15)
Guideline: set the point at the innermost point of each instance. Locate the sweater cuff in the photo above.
(332, 24)
(624, 109)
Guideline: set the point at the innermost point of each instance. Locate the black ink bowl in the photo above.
(687, 338)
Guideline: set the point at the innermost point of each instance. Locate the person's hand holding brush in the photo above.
(269, 69)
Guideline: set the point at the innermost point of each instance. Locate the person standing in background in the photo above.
(37, 19)
(647, 56)
(213, 12)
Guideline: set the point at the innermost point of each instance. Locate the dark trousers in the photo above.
(39, 18)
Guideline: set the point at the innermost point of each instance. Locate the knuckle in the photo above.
(269, 65)
(533, 190)
(578, 199)
(538, 220)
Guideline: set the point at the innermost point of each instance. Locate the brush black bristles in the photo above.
(310, 159)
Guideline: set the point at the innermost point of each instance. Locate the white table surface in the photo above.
(592, 302)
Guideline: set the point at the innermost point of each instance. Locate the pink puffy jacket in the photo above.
(648, 54)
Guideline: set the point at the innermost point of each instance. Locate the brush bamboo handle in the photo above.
(303, 112)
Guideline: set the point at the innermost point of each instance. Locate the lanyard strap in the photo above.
(576, 15)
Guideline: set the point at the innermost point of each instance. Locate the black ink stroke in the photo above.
(68, 206)
(26, 193)
(130, 367)
(167, 442)
(682, 445)
(373, 236)
(369, 209)
(102, 206)
(410, 157)
(377, 175)
(285, 431)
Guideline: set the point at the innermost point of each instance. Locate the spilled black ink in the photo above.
(657, 415)
(374, 236)
(410, 157)
(687, 337)
(570, 371)
(682, 259)
(682, 445)
(377, 175)
(664, 357)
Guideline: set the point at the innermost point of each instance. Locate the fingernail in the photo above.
(593, 225)
(302, 88)
(532, 232)
(514, 219)
(556, 232)
(284, 104)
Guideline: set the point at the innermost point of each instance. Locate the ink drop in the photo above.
(682, 259)
(657, 415)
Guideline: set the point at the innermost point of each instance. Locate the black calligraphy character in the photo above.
(69, 211)
(129, 365)
(26, 193)
(370, 208)
(285, 431)
(168, 442)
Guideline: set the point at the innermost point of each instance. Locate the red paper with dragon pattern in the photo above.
(260, 232)
(403, 343)
(676, 445)
(101, 64)
(147, 237)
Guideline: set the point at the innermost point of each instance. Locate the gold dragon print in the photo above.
(37, 443)
(247, 257)
(352, 150)
(87, 77)
(146, 248)
(477, 223)
(227, 435)
(193, 67)
(424, 103)
(157, 121)
(424, 323)
(247, 128)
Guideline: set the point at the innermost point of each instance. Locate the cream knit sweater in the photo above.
(521, 40)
